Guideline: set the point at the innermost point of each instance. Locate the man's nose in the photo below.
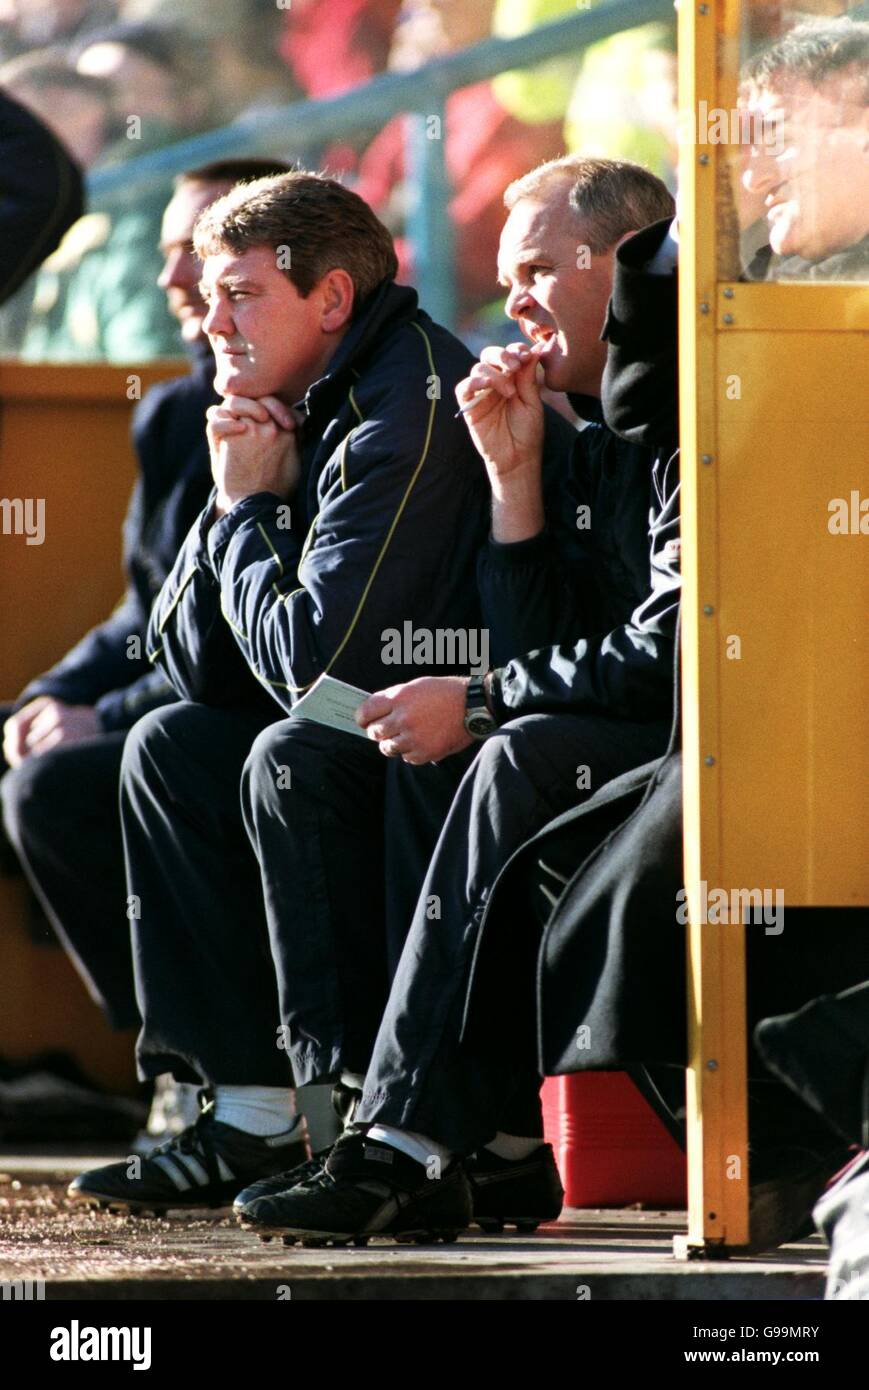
(176, 272)
(761, 172)
(218, 320)
(518, 301)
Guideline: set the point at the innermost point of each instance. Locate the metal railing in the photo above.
(422, 94)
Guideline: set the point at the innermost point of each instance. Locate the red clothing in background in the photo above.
(333, 45)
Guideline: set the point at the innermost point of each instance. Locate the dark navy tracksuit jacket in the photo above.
(384, 529)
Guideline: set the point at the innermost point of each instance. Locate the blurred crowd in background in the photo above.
(115, 79)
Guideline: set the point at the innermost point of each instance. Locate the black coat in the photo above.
(611, 950)
(41, 194)
(106, 669)
(595, 614)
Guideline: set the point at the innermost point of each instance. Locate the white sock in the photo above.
(417, 1146)
(354, 1079)
(263, 1110)
(513, 1147)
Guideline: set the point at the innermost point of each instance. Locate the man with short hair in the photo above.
(349, 502)
(808, 100)
(63, 741)
(454, 1074)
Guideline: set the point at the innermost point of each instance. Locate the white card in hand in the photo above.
(332, 703)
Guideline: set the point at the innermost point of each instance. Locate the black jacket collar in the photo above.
(586, 407)
(387, 307)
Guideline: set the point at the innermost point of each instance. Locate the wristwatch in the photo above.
(479, 721)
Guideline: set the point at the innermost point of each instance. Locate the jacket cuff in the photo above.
(112, 713)
(218, 536)
(511, 554)
(55, 690)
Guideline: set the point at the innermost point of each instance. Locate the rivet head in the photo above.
(728, 318)
(706, 458)
(704, 159)
(704, 308)
(728, 294)
(708, 609)
(702, 9)
(709, 761)
(712, 1065)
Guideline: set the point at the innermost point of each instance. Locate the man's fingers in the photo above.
(375, 707)
(220, 422)
(393, 748)
(484, 378)
(15, 737)
(246, 407)
(280, 413)
(527, 385)
(229, 428)
(13, 746)
(263, 410)
(508, 359)
(389, 727)
(51, 740)
(46, 720)
(487, 377)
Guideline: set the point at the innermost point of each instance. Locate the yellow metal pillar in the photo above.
(775, 443)
(716, 1093)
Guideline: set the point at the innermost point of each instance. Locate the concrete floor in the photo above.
(600, 1255)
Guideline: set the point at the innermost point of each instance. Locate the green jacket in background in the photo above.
(96, 298)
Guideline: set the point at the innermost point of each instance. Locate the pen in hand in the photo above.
(471, 403)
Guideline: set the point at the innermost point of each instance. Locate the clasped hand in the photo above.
(254, 448)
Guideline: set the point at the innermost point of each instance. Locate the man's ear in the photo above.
(338, 298)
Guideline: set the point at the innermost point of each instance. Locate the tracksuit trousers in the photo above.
(256, 858)
(262, 932)
(425, 1076)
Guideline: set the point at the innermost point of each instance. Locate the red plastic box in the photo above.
(610, 1146)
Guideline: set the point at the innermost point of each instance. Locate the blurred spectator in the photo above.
(77, 109)
(333, 45)
(486, 148)
(97, 297)
(429, 29)
(618, 95)
(245, 51)
(27, 24)
(156, 73)
(243, 39)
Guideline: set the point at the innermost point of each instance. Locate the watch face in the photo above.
(479, 724)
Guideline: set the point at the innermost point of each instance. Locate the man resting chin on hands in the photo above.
(253, 449)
